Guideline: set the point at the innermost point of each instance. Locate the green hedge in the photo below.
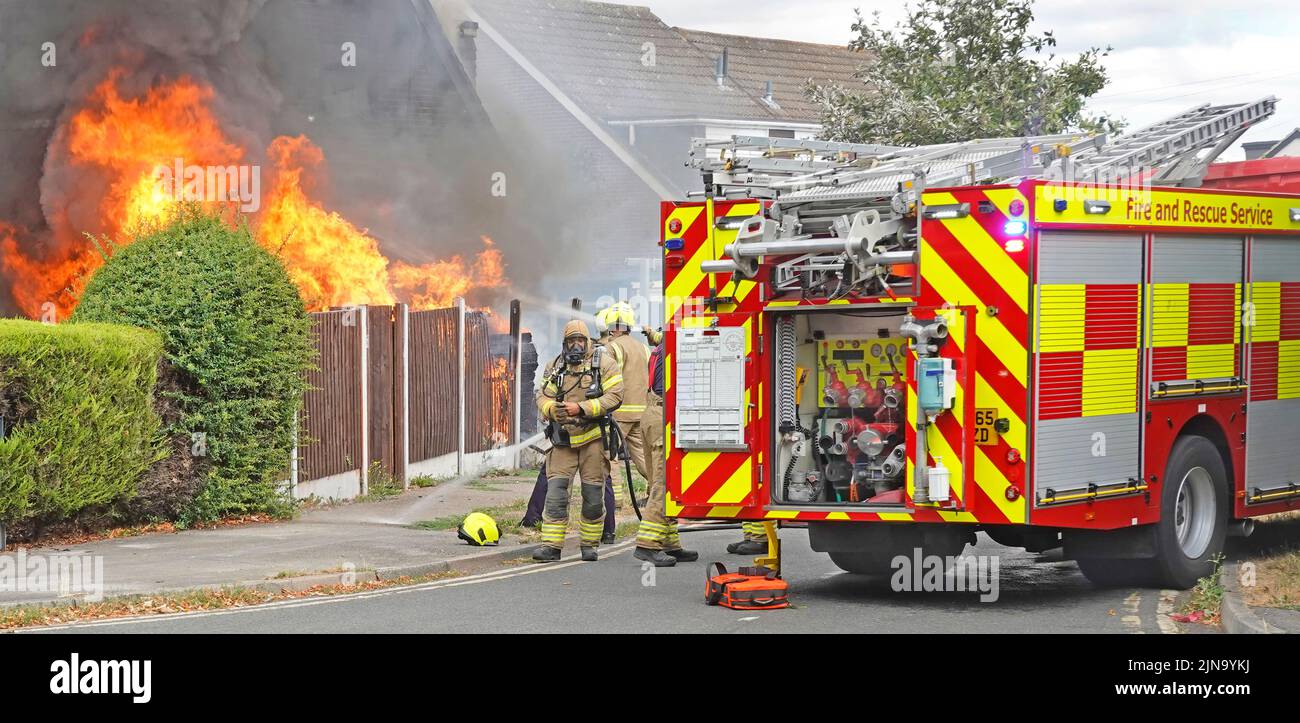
(236, 331)
(81, 429)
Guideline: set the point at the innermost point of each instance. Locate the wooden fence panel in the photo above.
(380, 378)
(434, 389)
(478, 384)
(422, 345)
(330, 423)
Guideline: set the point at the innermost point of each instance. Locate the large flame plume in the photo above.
(121, 142)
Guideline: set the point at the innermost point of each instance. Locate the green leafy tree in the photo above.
(235, 329)
(957, 70)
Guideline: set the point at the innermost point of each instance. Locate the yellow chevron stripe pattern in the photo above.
(737, 486)
(949, 285)
(682, 285)
(968, 231)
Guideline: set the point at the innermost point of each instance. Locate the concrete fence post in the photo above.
(460, 381)
(293, 461)
(405, 321)
(364, 326)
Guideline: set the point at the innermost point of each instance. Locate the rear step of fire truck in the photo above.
(840, 221)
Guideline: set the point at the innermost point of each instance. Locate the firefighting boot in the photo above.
(546, 554)
(589, 554)
(681, 555)
(655, 557)
(747, 547)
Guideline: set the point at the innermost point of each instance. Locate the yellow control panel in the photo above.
(844, 363)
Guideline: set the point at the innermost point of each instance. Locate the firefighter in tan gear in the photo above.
(633, 359)
(657, 539)
(579, 390)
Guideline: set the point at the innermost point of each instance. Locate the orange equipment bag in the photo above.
(750, 588)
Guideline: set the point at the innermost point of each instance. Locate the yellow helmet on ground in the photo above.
(479, 529)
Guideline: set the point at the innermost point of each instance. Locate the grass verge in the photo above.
(1207, 599)
(507, 518)
(1270, 575)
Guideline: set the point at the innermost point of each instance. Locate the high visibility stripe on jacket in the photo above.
(631, 356)
(582, 430)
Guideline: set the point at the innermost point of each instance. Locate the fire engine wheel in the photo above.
(1193, 513)
(1193, 523)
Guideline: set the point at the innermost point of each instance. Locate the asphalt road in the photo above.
(1035, 594)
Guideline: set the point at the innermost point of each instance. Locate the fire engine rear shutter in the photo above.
(1195, 294)
(1086, 343)
(1272, 434)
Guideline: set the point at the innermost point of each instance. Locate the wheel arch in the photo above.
(1209, 428)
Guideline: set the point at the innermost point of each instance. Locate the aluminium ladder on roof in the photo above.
(1172, 145)
(805, 170)
(869, 194)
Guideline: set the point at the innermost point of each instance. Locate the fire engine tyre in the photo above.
(1193, 524)
(1193, 513)
(1110, 572)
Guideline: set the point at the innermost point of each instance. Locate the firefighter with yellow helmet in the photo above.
(633, 358)
(616, 491)
(657, 539)
(580, 388)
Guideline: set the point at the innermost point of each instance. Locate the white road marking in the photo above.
(1132, 606)
(491, 576)
(1164, 609)
(749, 619)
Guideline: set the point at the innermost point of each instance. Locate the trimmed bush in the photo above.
(77, 403)
(235, 330)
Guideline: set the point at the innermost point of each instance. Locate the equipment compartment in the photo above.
(841, 389)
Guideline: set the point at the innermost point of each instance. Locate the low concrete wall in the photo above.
(343, 486)
(347, 486)
(475, 462)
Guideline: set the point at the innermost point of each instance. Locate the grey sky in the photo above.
(1168, 55)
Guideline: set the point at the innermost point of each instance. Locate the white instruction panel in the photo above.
(709, 382)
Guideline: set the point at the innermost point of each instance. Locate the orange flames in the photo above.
(123, 142)
(126, 140)
(500, 379)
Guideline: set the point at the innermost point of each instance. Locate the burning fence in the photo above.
(414, 392)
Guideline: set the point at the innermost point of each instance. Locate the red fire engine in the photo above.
(1059, 341)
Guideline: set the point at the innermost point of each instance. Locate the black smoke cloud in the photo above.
(411, 155)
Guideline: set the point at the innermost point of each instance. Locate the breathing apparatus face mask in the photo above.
(575, 349)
